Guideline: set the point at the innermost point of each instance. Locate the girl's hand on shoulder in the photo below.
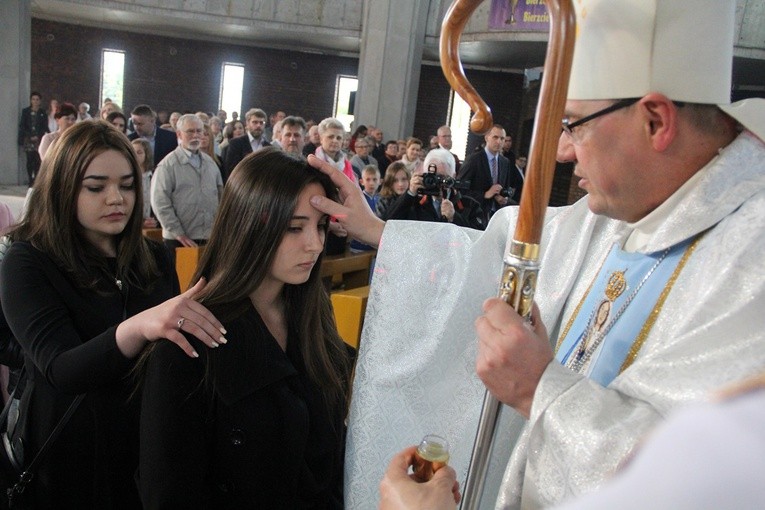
(169, 320)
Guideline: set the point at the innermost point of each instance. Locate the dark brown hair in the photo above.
(148, 154)
(51, 224)
(386, 191)
(65, 110)
(254, 214)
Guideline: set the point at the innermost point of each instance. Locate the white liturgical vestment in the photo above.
(415, 373)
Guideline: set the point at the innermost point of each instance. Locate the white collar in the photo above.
(715, 191)
(646, 227)
(490, 155)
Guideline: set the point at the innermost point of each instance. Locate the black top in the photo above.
(378, 152)
(309, 148)
(256, 434)
(68, 336)
(238, 148)
(467, 212)
(32, 124)
(382, 209)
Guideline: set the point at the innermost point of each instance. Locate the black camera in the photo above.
(434, 183)
(506, 192)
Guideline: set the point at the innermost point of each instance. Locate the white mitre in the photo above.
(680, 48)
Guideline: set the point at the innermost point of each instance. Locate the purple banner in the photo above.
(521, 15)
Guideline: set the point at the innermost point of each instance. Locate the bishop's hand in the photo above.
(512, 354)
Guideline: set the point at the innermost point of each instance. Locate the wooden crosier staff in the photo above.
(521, 262)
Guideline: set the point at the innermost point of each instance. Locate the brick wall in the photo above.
(501, 91)
(178, 74)
(432, 103)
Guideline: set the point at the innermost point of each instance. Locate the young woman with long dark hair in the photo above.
(258, 424)
(83, 292)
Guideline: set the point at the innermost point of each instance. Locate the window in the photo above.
(112, 76)
(345, 94)
(231, 86)
(459, 122)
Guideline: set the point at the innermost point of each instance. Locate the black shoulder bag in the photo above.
(26, 475)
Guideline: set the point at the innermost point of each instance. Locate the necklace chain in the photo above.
(582, 356)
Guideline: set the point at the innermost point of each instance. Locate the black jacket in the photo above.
(238, 148)
(32, 124)
(255, 434)
(68, 336)
(476, 170)
(467, 212)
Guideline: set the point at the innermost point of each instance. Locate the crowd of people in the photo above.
(235, 393)
(490, 175)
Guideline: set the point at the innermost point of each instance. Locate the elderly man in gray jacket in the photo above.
(186, 188)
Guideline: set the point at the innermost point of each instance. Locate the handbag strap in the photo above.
(7, 409)
(28, 473)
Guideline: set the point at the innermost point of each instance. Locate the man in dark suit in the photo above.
(519, 173)
(378, 147)
(240, 146)
(507, 149)
(33, 125)
(162, 141)
(489, 174)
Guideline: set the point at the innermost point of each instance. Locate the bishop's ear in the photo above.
(660, 115)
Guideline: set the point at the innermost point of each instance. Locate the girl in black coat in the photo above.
(257, 423)
(83, 292)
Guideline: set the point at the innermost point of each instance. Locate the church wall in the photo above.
(180, 74)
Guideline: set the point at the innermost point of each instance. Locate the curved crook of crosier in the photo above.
(451, 31)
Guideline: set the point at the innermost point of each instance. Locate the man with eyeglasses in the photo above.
(651, 290)
(362, 157)
(186, 188)
(144, 121)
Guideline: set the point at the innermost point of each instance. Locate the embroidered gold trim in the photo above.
(651, 320)
(616, 285)
(578, 308)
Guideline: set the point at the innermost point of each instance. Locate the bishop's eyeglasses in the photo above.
(569, 127)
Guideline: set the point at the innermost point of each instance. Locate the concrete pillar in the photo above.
(392, 40)
(15, 70)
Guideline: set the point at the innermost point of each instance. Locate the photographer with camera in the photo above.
(436, 195)
(492, 183)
